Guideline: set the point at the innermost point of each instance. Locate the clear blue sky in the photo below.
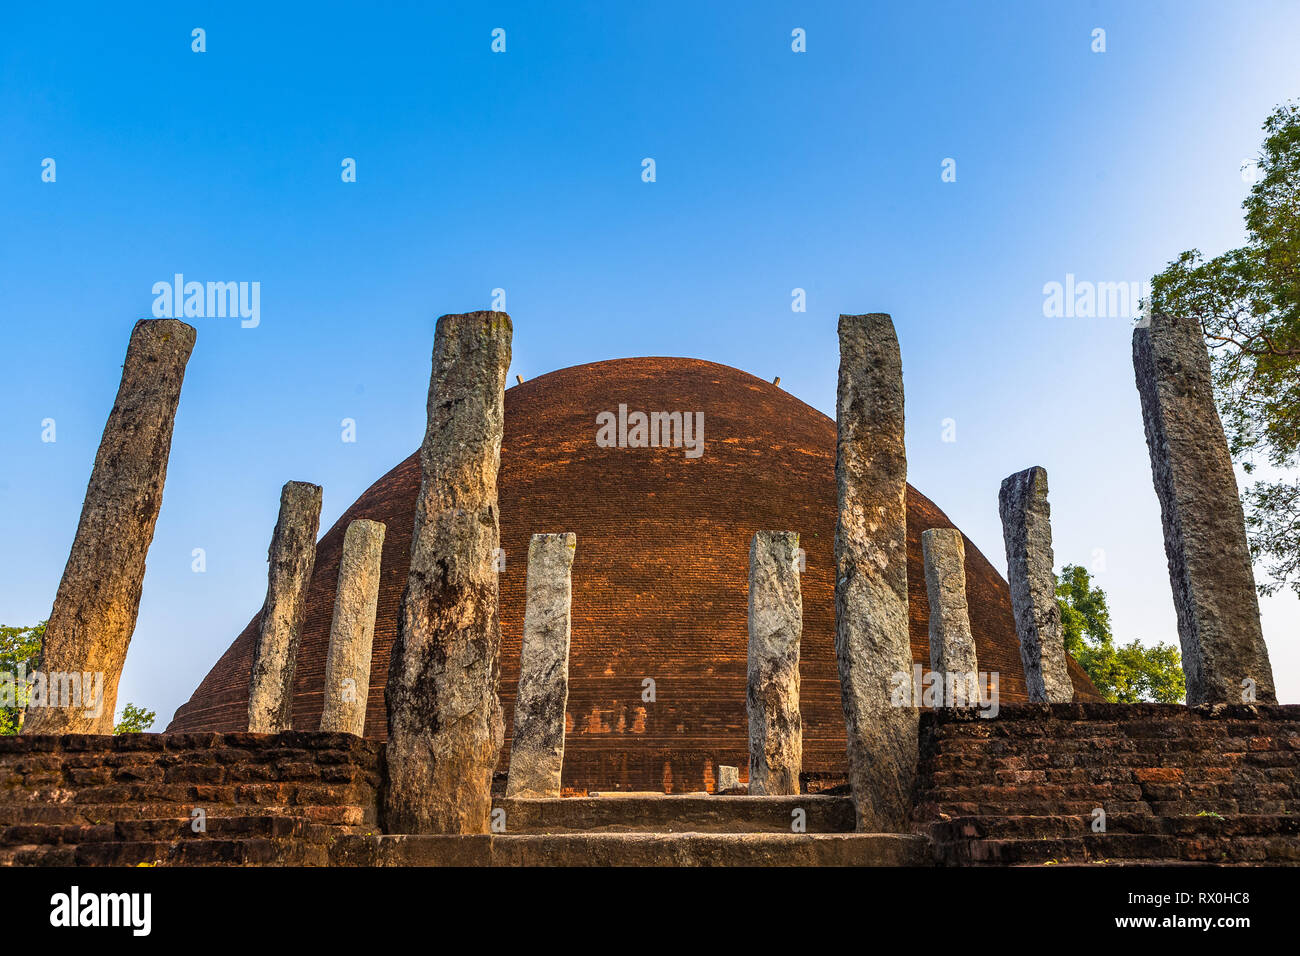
(775, 170)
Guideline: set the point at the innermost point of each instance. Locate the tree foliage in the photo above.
(134, 720)
(20, 653)
(1126, 674)
(1248, 303)
(20, 650)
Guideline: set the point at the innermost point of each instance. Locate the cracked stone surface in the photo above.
(1204, 529)
(292, 557)
(537, 750)
(98, 599)
(352, 630)
(772, 695)
(1027, 534)
(872, 645)
(952, 647)
(445, 728)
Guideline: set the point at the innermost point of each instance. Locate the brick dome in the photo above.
(659, 580)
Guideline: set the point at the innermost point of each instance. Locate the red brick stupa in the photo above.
(659, 580)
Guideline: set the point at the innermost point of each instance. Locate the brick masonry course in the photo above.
(1215, 784)
(129, 799)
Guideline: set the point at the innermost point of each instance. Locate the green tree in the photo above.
(1248, 303)
(1126, 674)
(134, 720)
(20, 649)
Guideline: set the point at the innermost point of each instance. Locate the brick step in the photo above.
(1025, 753)
(636, 849)
(1139, 861)
(1208, 792)
(1041, 793)
(1179, 751)
(168, 829)
(126, 770)
(109, 813)
(1120, 846)
(1124, 727)
(1119, 732)
(254, 794)
(663, 813)
(1011, 804)
(1044, 827)
(1274, 777)
(252, 851)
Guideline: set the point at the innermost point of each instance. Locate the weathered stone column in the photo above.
(95, 608)
(728, 779)
(352, 631)
(292, 556)
(871, 632)
(1027, 534)
(772, 695)
(952, 648)
(1205, 537)
(537, 751)
(444, 717)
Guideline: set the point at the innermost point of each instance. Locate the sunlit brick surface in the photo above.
(660, 577)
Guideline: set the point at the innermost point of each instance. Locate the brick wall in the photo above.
(1210, 784)
(130, 799)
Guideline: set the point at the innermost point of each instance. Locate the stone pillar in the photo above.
(952, 648)
(95, 608)
(444, 718)
(537, 751)
(352, 631)
(1205, 538)
(1027, 534)
(871, 629)
(292, 557)
(772, 697)
(728, 779)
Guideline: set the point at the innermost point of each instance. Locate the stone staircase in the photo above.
(1177, 785)
(652, 830)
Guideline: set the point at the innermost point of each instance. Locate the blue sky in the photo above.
(522, 170)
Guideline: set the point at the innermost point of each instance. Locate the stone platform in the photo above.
(638, 849)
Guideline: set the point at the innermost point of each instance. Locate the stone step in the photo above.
(688, 813)
(636, 849)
